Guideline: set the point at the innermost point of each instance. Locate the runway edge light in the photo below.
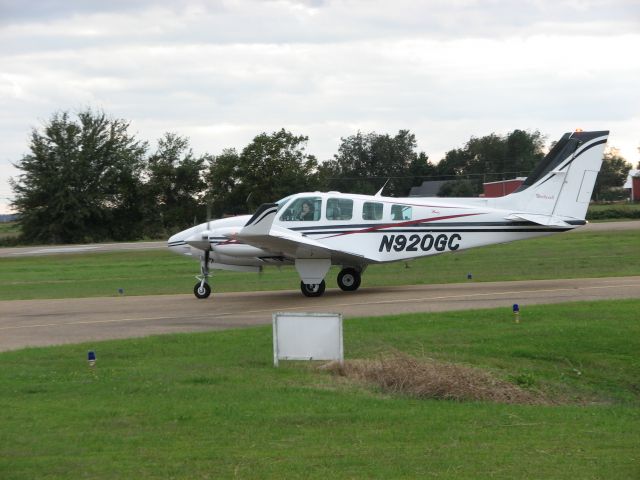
(516, 313)
(91, 357)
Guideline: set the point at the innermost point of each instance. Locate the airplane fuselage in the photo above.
(378, 229)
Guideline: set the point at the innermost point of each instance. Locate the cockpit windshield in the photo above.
(303, 209)
(283, 201)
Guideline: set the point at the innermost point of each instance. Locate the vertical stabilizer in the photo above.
(562, 184)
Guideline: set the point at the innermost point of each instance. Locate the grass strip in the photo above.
(211, 405)
(576, 255)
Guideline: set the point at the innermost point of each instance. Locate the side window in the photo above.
(339, 209)
(400, 212)
(303, 209)
(372, 211)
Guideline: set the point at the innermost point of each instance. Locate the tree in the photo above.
(175, 185)
(366, 161)
(613, 173)
(457, 188)
(494, 157)
(80, 181)
(272, 166)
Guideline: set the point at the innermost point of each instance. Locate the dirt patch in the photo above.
(428, 378)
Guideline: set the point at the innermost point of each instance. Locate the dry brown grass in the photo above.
(427, 378)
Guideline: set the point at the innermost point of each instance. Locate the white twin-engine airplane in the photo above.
(315, 230)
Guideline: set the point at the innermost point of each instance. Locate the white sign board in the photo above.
(307, 336)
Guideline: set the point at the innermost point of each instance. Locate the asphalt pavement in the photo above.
(49, 322)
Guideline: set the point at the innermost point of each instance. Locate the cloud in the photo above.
(222, 72)
(64, 23)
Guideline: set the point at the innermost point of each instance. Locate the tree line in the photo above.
(87, 178)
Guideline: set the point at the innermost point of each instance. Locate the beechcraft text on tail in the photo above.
(315, 230)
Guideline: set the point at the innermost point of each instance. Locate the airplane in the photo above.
(315, 230)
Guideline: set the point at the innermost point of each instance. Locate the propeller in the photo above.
(208, 215)
(200, 240)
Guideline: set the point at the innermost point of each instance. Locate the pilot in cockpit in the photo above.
(306, 213)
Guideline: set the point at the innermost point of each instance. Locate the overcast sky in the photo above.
(222, 71)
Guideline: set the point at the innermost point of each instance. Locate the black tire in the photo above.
(202, 290)
(312, 290)
(349, 279)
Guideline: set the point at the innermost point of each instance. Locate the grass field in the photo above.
(632, 207)
(603, 212)
(213, 406)
(588, 254)
(9, 230)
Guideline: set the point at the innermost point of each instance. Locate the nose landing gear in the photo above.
(202, 288)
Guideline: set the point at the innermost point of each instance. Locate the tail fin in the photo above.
(561, 185)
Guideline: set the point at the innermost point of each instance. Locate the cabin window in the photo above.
(303, 209)
(400, 212)
(339, 209)
(372, 211)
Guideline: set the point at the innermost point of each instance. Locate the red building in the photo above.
(502, 188)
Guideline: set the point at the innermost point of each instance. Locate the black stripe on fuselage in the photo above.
(448, 230)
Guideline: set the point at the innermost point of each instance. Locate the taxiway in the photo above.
(48, 322)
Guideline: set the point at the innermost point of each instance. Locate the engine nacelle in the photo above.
(240, 250)
(199, 240)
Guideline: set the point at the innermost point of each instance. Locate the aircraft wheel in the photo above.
(312, 290)
(349, 279)
(202, 290)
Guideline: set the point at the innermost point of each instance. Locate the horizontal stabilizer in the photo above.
(546, 220)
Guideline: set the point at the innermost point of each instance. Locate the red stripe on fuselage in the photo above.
(400, 224)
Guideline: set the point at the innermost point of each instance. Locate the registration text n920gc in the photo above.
(424, 243)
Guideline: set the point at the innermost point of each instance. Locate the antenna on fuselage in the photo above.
(379, 194)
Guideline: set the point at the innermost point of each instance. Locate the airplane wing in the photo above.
(260, 232)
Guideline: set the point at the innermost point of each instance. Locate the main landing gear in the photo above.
(349, 280)
(312, 289)
(202, 288)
